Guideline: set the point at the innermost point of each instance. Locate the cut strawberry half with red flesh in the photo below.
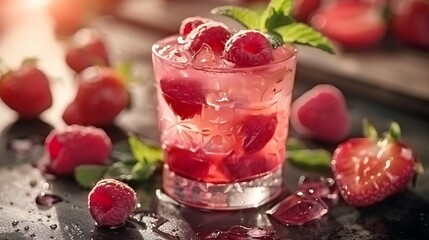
(213, 34)
(353, 25)
(368, 170)
(255, 131)
(190, 23)
(248, 48)
(185, 96)
(321, 113)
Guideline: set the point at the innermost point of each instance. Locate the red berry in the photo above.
(321, 113)
(101, 96)
(410, 21)
(26, 90)
(111, 202)
(190, 23)
(88, 50)
(194, 165)
(185, 96)
(74, 146)
(369, 170)
(255, 131)
(303, 9)
(240, 166)
(248, 48)
(213, 34)
(353, 25)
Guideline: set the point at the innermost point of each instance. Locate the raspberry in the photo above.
(111, 202)
(76, 145)
(190, 24)
(185, 96)
(255, 131)
(213, 34)
(248, 48)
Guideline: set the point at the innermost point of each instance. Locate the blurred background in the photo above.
(383, 45)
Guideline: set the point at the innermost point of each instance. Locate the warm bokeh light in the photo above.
(36, 3)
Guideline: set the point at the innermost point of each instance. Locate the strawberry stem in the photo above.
(30, 61)
(369, 130)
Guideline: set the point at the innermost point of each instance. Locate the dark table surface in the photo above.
(404, 216)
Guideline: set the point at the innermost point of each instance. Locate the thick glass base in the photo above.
(225, 196)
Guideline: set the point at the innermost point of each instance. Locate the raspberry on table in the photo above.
(111, 202)
(76, 145)
(248, 48)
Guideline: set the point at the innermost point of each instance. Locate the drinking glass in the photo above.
(223, 128)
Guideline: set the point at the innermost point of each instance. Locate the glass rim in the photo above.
(218, 69)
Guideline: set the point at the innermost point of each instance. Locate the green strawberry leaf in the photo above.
(395, 131)
(318, 160)
(303, 34)
(125, 71)
(247, 17)
(369, 130)
(88, 175)
(274, 9)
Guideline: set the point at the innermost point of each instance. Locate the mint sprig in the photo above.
(133, 160)
(317, 160)
(276, 21)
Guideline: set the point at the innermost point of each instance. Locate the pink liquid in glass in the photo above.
(223, 128)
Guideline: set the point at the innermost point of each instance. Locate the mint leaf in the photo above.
(88, 175)
(144, 151)
(275, 7)
(294, 144)
(313, 160)
(304, 34)
(142, 171)
(247, 17)
(120, 171)
(277, 19)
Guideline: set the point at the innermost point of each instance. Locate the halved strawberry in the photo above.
(321, 113)
(255, 131)
(185, 96)
(353, 25)
(213, 34)
(370, 169)
(248, 48)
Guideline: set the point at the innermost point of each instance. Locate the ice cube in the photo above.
(323, 187)
(206, 58)
(298, 209)
(219, 144)
(174, 54)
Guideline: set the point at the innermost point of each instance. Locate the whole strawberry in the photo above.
(100, 97)
(76, 145)
(26, 90)
(111, 202)
(370, 169)
(88, 50)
